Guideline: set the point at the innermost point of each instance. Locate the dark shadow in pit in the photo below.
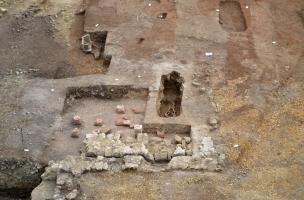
(170, 95)
(231, 16)
(18, 178)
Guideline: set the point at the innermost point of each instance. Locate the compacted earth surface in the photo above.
(151, 99)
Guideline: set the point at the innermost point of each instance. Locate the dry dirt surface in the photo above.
(242, 61)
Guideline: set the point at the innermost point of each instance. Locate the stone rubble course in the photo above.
(109, 153)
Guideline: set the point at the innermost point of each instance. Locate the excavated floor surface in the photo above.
(242, 61)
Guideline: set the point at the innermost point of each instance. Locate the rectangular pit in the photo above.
(231, 16)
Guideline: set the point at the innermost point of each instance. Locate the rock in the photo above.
(136, 110)
(110, 136)
(167, 142)
(189, 152)
(65, 180)
(130, 139)
(156, 139)
(196, 84)
(143, 138)
(213, 122)
(76, 120)
(179, 152)
(132, 162)
(180, 162)
(3, 10)
(161, 156)
(75, 133)
(86, 43)
(207, 147)
(98, 122)
(138, 128)
(188, 140)
(202, 90)
(221, 159)
(91, 135)
(160, 134)
(72, 195)
(184, 144)
(126, 122)
(120, 109)
(108, 152)
(116, 136)
(122, 122)
(178, 139)
(105, 130)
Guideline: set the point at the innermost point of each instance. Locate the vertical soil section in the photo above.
(170, 95)
(232, 17)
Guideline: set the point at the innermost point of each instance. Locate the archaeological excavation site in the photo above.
(151, 99)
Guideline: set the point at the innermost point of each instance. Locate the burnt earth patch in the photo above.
(231, 16)
(170, 95)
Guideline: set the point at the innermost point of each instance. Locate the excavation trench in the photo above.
(170, 95)
(231, 16)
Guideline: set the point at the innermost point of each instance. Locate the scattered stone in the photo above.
(86, 43)
(76, 120)
(136, 110)
(122, 122)
(179, 151)
(188, 140)
(138, 128)
(126, 122)
(125, 117)
(120, 109)
(178, 139)
(213, 122)
(3, 10)
(202, 90)
(75, 133)
(196, 84)
(160, 134)
(96, 131)
(105, 130)
(98, 122)
(72, 195)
